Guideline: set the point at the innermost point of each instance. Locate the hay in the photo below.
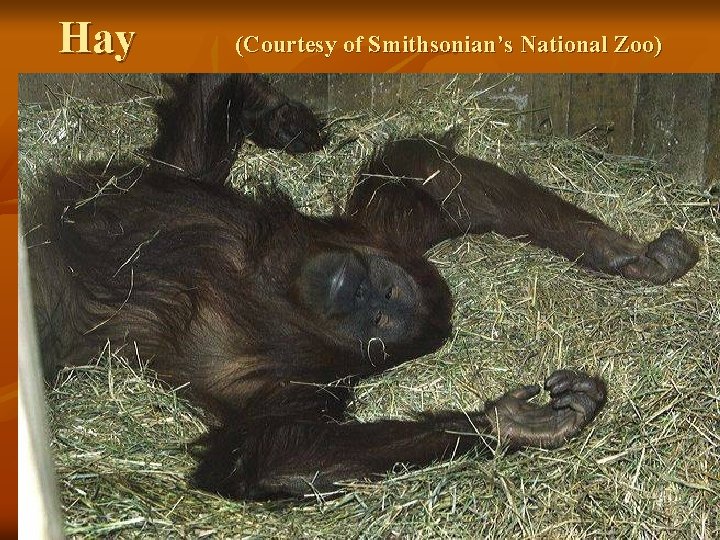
(647, 468)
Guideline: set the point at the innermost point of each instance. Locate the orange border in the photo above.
(203, 40)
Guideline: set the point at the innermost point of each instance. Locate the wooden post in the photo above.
(39, 514)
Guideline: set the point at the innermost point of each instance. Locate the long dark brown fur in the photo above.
(164, 256)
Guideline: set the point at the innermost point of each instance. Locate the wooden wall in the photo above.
(673, 118)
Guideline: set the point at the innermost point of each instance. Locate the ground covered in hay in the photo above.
(649, 467)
